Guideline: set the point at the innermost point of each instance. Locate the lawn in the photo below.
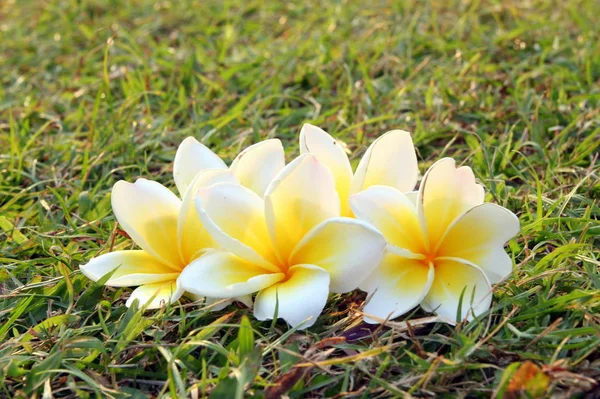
(96, 91)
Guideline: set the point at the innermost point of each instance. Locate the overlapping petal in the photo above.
(148, 212)
(392, 213)
(479, 236)
(328, 151)
(132, 268)
(299, 299)
(258, 164)
(299, 198)
(191, 234)
(348, 249)
(225, 275)
(191, 158)
(445, 193)
(234, 216)
(156, 295)
(455, 278)
(391, 161)
(397, 286)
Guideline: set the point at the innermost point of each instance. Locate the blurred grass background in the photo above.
(96, 91)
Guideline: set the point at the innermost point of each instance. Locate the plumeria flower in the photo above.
(254, 167)
(168, 232)
(389, 161)
(443, 244)
(292, 247)
(166, 228)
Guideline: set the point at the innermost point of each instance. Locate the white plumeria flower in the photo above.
(441, 242)
(166, 228)
(389, 161)
(292, 247)
(168, 232)
(254, 167)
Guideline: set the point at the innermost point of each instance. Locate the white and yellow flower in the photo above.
(443, 244)
(292, 247)
(166, 228)
(168, 233)
(389, 161)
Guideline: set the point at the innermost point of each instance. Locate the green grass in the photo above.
(95, 91)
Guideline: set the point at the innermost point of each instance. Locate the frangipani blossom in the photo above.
(442, 243)
(389, 161)
(292, 247)
(254, 167)
(166, 228)
(168, 232)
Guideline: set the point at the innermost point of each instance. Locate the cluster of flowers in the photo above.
(292, 234)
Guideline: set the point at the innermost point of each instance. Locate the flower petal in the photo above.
(452, 278)
(331, 153)
(348, 249)
(258, 164)
(234, 216)
(224, 275)
(300, 298)
(397, 286)
(392, 213)
(222, 302)
(412, 196)
(299, 198)
(156, 295)
(445, 193)
(191, 158)
(191, 234)
(472, 192)
(479, 236)
(148, 212)
(133, 268)
(390, 161)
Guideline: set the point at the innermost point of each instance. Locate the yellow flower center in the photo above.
(428, 258)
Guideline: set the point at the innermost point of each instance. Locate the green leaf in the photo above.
(56, 321)
(245, 337)
(42, 370)
(226, 389)
(11, 231)
(15, 314)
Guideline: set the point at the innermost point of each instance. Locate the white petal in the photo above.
(412, 196)
(479, 235)
(299, 198)
(390, 161)
(224, 275)
(392, 213)
(191, 158)
(257, 165)
(148, 212)
(192, 236)
(234, 216)
(472, 192)
(244, 299)
(156, 295)
(452, 278)
(300, 299)
(222, 303)
(331, 153)
(133, 268)
(348, 249)
(445, 193)
(397, 286)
